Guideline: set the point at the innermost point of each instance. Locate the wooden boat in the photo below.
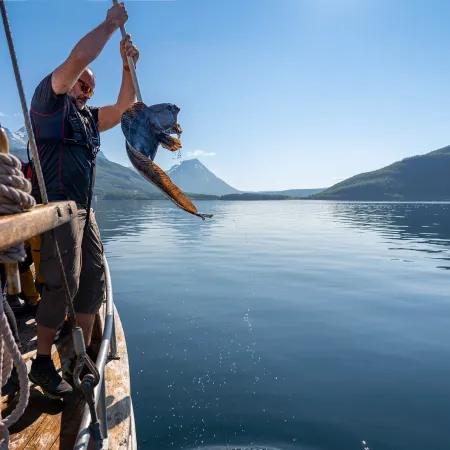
(47, 423)
(57, 424)
(65, 424)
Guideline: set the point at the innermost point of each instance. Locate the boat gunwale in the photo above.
(19, 227)
(85, 429)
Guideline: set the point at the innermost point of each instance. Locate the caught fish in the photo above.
(149, 170)
(145, 128)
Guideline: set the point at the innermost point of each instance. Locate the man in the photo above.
(67, 136)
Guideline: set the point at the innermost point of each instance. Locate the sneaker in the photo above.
(45, 375)
(73, 360)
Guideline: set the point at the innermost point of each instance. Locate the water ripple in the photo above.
(290, 325)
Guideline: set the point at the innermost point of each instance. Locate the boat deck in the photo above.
(54, 424)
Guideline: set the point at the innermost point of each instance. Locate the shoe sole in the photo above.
(46, 393)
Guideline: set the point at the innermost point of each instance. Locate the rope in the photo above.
(9, 354)
(37, 163)
(14, 198)
(14, 188)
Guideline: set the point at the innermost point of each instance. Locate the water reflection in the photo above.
(425, 227)
(124, 218)
(133, 218)
(284, 324)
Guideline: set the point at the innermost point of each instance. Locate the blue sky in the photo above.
(274, 94)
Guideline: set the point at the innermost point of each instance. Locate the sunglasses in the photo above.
(86, 88)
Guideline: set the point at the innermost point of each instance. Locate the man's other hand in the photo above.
(117, 15)
(127, 48)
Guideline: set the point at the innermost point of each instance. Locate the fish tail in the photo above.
(204, 216)
(162, 181)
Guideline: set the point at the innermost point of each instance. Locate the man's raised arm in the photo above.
(87, 50)
(109, 116)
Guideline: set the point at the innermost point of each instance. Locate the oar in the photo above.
(131, 64)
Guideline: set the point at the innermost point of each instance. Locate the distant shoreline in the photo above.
(209, 198)
(228, 197)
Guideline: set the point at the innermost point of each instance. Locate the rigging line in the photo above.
(23, 102)
(37, 164)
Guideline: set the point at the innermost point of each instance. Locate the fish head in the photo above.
(164, 118)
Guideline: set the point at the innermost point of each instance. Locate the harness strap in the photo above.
(80, 137)
(80, 134)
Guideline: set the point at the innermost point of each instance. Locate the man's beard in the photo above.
(79, 102)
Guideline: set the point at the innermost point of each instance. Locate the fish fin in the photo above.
(169, 142)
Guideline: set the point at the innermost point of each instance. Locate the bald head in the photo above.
(88, 76)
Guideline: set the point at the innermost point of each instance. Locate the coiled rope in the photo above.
(9, 354)
(14, 198)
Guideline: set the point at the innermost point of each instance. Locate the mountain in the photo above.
(417, 178)
(114, 181)
(293, 192)
(17, 139)
(192, 176)
(18, 142)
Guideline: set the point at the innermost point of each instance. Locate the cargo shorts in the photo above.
(82, 258)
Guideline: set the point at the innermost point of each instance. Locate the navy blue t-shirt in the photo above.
(66, 167)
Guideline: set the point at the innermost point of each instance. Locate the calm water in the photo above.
(291, 325)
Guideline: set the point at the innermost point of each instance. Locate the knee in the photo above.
(53, 278)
